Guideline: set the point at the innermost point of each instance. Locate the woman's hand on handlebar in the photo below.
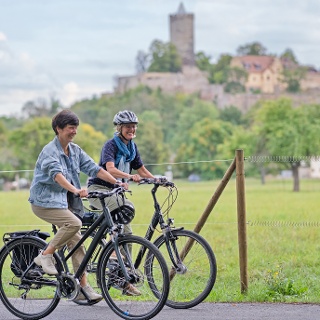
(124, 185)
(134, 177)
(82, 193)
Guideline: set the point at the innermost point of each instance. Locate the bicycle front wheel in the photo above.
(30, 296)
(134, 299)
(195, 275)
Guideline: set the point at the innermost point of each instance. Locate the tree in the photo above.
(204, 64)
(150, 141)
(288, 133)
(164, 57)
(55, 106)
(234, 87)
(196, 111)
(3, 128)
(203, 61)
(142, 62)
(7, 158)
(221, 73)
(240, 138)
(237, 74)
(289, 57)
(231, 114)
(220, 70)
(38, 108)
(201, 143)
(41, 108)
(235, 79)
(29, 140)
(292, 78)
(252, 49)
(90, 140)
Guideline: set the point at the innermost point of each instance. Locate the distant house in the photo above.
(315, 168)
(311, 80)
(264, 73)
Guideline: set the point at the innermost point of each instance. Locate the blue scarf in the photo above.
(125, 151)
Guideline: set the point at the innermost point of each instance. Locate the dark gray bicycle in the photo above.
(28, 293)
(190, 259)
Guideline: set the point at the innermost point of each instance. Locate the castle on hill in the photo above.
(264, 74)
(190, 79)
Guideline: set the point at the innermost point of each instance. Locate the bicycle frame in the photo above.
(113, 272)
(156, 219)
(105, 224)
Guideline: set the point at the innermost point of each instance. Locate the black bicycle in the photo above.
(191, 260)
(89, 217)
(28, 293)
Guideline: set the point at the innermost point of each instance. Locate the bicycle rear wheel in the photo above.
(34, 295)
(141, 303)
(193, 281)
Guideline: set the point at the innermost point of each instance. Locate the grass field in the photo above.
(282, 234)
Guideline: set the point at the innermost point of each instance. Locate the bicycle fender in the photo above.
(156, 242)
(18, 239)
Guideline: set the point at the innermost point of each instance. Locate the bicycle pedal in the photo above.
(34, 273)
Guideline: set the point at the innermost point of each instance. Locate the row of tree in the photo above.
(173, 129)
(164, 57)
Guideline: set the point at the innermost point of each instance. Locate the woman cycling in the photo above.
(55, 191)
(119, 156)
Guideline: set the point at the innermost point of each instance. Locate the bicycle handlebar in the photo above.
(105, 194)
(162, 181)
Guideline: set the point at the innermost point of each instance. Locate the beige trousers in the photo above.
(68, 230)
(112, 203)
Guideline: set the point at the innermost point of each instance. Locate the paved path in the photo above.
(204, 311)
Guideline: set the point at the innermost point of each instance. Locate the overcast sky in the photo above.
(73, 49)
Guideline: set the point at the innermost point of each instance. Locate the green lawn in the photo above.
(282, 233)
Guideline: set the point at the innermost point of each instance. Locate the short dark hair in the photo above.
(63, 118)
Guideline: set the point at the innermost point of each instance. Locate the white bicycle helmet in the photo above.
(123, 117)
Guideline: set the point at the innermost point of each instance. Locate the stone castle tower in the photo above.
(182, 34)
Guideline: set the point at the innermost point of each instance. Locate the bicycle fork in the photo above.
(178, 265)
(127, 254)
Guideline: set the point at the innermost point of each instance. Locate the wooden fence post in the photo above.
(242, 227)
(213, 201)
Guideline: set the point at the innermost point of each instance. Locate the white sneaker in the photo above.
(114, 256)
(46, 262)
(90, 293)
(80, 297)
(131, 290)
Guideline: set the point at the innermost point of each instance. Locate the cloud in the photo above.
(20, 70)
(21, 79)
(3, 37)
(70, 93)
(79, 54)
(73, 92)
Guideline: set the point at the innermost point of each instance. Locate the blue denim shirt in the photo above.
(44, 191)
